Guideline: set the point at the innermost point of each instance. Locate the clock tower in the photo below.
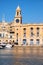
(18, 17)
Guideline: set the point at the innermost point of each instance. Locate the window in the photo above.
(3, 35)
(0, 35)
(17, 13)
(0, 40)
(10, 36)
(32, 34)
(17, 35)
(24, 31)
(37, 34)
(31, 28)
(17, 28)
(17, 40)
(10, 26)
(31, 42)
(13, 41)
(24, 34)
(24, 41)
(37, 41)
(12, 32)
(6, 40)
(37, 31)
(38, 28)
(10, 29)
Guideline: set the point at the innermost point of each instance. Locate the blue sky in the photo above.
(32, 10)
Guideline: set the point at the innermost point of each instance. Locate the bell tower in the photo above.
(18, 16)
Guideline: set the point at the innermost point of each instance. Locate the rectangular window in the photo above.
(17, 35)
(3, 35)
(12, 32)
(31, 42)
(37, 41)
(31, 34)
(24, 31)
(10, 36)
(24, 41)
(37, 34)
(0, 35)
(38, 30)
(24, 34)
(17, 40)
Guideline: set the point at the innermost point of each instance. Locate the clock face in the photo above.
(17, 20)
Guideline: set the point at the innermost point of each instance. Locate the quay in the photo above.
(28, 49)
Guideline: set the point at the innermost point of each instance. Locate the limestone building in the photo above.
(23, 34)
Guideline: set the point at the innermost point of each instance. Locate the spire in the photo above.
(18, 8)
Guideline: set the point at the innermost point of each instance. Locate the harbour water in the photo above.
(15, 56)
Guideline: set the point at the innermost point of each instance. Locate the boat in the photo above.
(3, 44)
(8, 46)
(1, 47)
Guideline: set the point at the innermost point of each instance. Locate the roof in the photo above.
(18, 8)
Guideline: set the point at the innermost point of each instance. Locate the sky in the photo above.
(32, 10)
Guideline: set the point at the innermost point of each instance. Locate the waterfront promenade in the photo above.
(22, 55)
(28, 49)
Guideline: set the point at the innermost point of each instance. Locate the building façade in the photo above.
(22, 34)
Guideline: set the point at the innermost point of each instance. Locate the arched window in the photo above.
(37, 28)
(24, 29)
(31, 28)
(17, 13)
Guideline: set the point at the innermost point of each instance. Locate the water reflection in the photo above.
(29, 56)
